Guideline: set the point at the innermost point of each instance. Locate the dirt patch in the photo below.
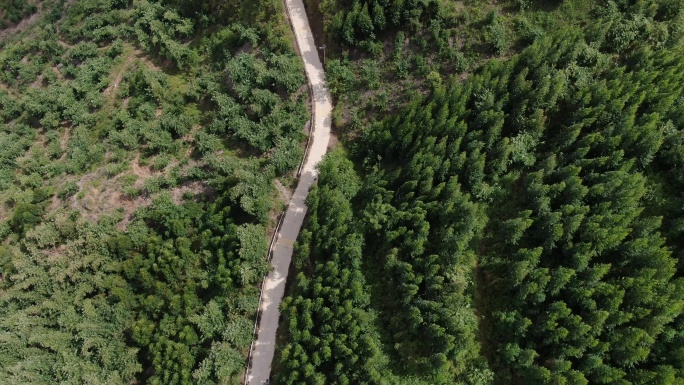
(119, 200)
(38, 83)
(194, 187)
(284, 193)
(65, 44)
(246, 48)
(65, 138)
(143, 173)
(189, 138)
(304, 89)
(140, 55)
(99, 195)
(56, 70)
(333, 141)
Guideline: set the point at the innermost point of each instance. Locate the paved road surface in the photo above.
(274, 286)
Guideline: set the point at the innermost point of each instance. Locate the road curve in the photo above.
(274, 285)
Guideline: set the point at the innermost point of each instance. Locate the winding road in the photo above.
(274, 285)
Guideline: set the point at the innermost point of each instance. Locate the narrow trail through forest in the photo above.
(273, 288)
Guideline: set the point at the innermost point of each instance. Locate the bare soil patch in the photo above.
(119, 200)
(38, 83)
(65, 138)
(194, 187)
(332, 143)
(284, 193)
(143, 173)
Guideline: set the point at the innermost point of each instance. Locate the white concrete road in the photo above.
(274, 286)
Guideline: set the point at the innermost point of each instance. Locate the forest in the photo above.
(508, 214)
(504, 204)
(140, 145)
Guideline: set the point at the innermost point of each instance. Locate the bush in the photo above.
(286, 155)
(116, 49)
(495, 34)
(25, 217)
(161, 162)
(68, 190)
(340, 75)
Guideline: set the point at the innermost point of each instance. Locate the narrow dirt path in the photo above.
(130, 54)
(273, 287)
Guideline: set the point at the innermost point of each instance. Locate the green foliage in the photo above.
(562, 228)
(160, 28)
(651, 22)
(25, 217)
(362, 21)
(542, 193)
(171, 276)
(286, 156)
(66, 305)
(332, 299)
(69, 189)
(328, 318)
(495, 34)
(139, 141)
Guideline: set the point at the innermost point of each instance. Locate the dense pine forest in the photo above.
(508, 208)
(141, 142)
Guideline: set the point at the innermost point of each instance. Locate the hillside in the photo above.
(515, 220)
(505, 205)
(140, 146)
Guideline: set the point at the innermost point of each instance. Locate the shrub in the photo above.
(286, 156)
(25, 217)
(68, 190)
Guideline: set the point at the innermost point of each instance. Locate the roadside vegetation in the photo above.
(516, 220)
(139, 144)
